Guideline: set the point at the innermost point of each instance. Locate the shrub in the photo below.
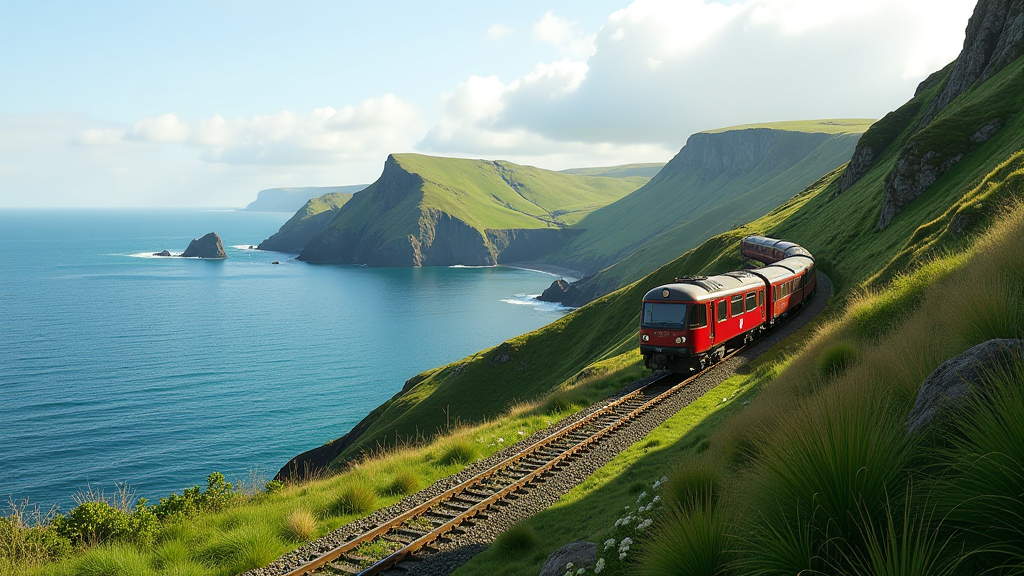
(516, 540)
(694, 542)
(405, 482)
(98, 522)
(354, 499)
(300, 525)
(837, 358)
(273, 487)
(218, 494)
(458, 452)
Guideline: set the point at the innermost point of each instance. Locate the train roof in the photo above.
(785, 247)
(704, 287)
(783, 268)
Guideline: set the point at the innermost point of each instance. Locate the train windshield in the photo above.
(664, 315)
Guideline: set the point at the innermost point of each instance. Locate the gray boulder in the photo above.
(581, 553)
(208, 246)
(952, 383)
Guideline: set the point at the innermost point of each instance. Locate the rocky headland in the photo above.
(209, 247)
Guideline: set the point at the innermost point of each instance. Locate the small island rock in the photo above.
(556, 292)
(163, 253)
(208, 246)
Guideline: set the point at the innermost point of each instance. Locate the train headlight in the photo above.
(645, 338)
(681, 339)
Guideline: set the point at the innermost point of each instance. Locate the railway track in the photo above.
(419, 528)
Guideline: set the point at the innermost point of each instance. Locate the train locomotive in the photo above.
(686, 325)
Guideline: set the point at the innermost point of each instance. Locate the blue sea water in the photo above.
(116, 366)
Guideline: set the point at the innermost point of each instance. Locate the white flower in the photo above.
(641, 496)
(664, 479)
(521, 433)
(656, 484)
(618, 522)
(626, 542)
(599, 567)
(656, 500)
(500, 440)
(609, 543)
(644, 525)
(580, 571)
(569, 566)
(627, 507)
(622, 555)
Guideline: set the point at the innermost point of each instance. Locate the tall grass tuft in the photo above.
(458, 451)
(986, 486)
(837, 358)
(300, 525)
(405, 482)
(244, 548)
(692, 485)
(995, 309)
(354, 499)
(832, 458)
(690, 543)
(516, 540)
(113, 560)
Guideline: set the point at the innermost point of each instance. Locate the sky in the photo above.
(203, 104)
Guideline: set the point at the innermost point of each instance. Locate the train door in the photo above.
(711, 313)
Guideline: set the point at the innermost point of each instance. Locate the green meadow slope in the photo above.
(718, 180)
(306, 223)
(839, 226)
(430, 211)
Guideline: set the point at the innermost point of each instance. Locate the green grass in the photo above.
(827, 126)
(516, 541)
(644, 171)
(306, 223)
(355, 499)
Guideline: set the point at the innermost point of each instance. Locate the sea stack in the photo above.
(208, 246)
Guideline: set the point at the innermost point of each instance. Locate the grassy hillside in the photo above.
(426, 210)
(306, 223)
(840, 229)
(292, 199)
(639, 174)
(718, 180)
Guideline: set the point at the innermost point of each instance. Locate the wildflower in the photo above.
(569, 565)
(664, 479)
(657, 483)
(627, 507)
(500, 440)
(580, 571)
(656, 500)
(641, 496)
(521, 433)
(626, 543)
(599, 567)
(622, 555)
(644, 525)
(609, 543)
(725, 399)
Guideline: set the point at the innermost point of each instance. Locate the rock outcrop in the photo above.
(994, 39)
(957, 379)
(313, 217)
(556, 292)
(164, 252)
(581, 554)
(208, 246)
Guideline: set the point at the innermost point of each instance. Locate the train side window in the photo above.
(751, 301)
(723, 310)
(760, 298)
(737, 305)
(699, 316)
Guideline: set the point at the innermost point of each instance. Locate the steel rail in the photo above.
(438, 532)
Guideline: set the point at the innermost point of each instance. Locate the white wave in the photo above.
(244, 246)
(538, 305)
(149, 255)
(465, 266)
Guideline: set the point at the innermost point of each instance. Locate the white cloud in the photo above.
(660, 70)
(498, 31)
(375, 127)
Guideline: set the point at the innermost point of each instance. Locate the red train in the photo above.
(687, 324)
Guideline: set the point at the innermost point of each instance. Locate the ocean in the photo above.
(120, 367)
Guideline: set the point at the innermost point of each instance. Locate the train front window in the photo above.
(664, 315)
(699, 316)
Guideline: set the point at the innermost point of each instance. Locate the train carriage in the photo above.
(686, 324)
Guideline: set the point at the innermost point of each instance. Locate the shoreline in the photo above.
(567, 274)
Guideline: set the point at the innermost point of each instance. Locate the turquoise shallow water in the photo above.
(116, 367)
